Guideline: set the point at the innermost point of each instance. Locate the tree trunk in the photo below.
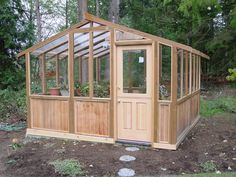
(82, 8)
(39, 22)
(114, 11)
(97, 8)
(67, 4)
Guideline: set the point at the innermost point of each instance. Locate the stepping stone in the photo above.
(127, 158)
(126, 172)
(132, 149)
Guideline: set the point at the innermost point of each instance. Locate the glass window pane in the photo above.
(81, 57)
(134, 71)
(35, 75)
(49, 68)
(164, 72)
(101, 64)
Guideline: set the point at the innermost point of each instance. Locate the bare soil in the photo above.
(212, 139)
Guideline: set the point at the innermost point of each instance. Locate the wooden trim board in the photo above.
(180, 139)
(46, 133)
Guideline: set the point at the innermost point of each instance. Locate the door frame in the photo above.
(150, 92)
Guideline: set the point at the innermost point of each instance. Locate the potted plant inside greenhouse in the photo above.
(53, 88)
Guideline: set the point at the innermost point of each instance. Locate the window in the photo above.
(134, 71)
(101, 64)
(49, 69)
(81, 64)
(164, 72)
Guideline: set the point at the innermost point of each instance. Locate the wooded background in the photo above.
(207, 25)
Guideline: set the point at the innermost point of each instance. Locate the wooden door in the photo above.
(134, 76)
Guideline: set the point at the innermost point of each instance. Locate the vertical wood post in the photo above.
(43, 71)
(71, 83)
(57, 70)
(186, 72)
(27, 66)
(181, 73)
(194, 73)
(200, 71)
(173, 105)
(80, 70)
(190, 73)
(90, 65)
(155, 88)
(111, 86)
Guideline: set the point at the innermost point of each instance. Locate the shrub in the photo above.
(13, 104)
(218, 106)
(208, 166)
(67, 167)
(232, 76)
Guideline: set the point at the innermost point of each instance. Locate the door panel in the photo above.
(134, 74)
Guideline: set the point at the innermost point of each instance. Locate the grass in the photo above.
(67, 167)
(219, 105)
(227, 174)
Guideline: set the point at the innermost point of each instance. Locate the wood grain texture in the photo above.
(187, 112)
(183, 116)
(163, 125)
(134, 120)
(50, 114)
(92, 117)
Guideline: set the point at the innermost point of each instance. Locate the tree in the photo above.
(114, 11)
(14, 34)
(39, 20)
(82, 8)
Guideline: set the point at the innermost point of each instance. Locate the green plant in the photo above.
(220, 105)
(13, 104)
(77, 85)
(51, 83)
(85, 90)
(67, 167)
(232, 76)
(208, 166)
(101, 89)
(15, 146)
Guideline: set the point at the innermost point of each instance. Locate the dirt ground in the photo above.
(212, 139)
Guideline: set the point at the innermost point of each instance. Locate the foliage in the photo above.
(85, 89)
(67, 167)
(101, 89)
(12, 127)
(15, 146)
(220, 105)
(14, 33)
(13, 104)
(232, 76)
(223, 174)
(208, 166)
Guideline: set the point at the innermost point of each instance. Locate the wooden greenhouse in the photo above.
(103, 82)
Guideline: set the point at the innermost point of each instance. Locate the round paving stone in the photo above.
(132, 149)
(127, 158)
(126, 172)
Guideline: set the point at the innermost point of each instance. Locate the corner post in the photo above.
(173, 105)
(71, 82)
(27, 66)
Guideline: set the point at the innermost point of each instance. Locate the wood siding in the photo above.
(50, 114)
(163, 124)
(187, 112)
(92, 118)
